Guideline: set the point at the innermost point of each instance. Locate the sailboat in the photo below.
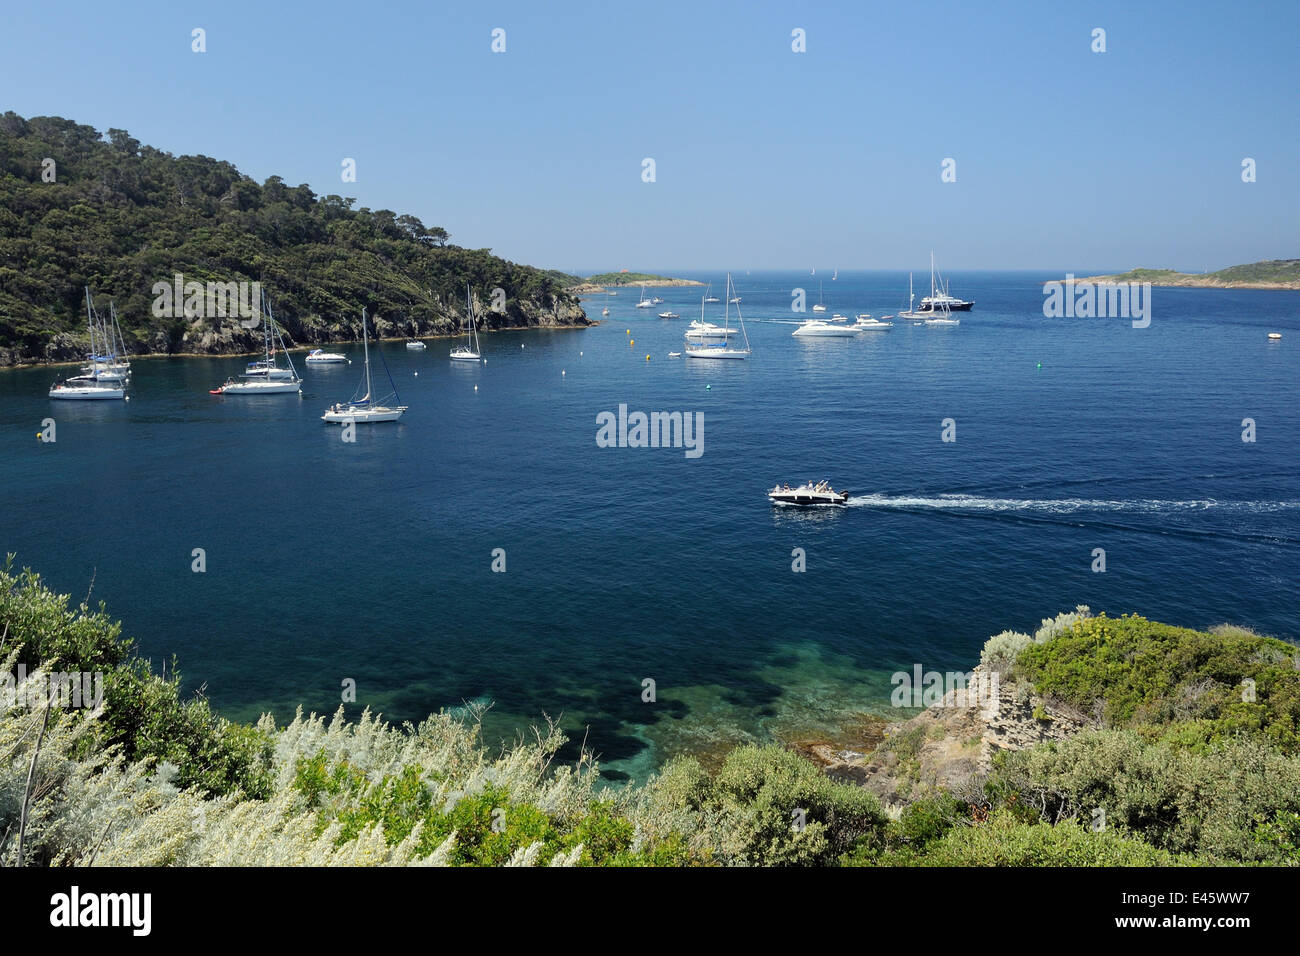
(835, 275)
(910, 312)
(266, 376)
(708, 296)
(939, 297)
(941, 315)
(819, 307)
(100, 379)
(723, 351)
(469, 351)
(365, 408)
(643, 303)
(108, 368)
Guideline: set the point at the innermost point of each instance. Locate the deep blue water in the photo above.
(371, 561)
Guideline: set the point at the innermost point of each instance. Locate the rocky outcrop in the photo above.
(226, 336)
(951, 745)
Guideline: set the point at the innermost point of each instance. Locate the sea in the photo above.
(489, 552)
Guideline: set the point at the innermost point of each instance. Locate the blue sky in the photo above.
(1065, 158)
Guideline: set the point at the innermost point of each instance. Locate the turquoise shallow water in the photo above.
(372, 561)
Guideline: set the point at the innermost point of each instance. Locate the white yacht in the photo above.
(669, 314)
(365, 409)
(722, 350)
(469, 351)
(708, 332)
(820, 328)
(808, 494)
(321, 357)
(866, 323)
(415, 345)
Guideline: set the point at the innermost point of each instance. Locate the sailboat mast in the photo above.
(365, 338)
(90, 324)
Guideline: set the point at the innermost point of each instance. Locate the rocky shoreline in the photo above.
(227, 337)
(948, 746)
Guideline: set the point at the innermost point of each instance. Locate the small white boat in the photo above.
(674, 354)
(669, 315)
(839, 317)
(415, 345)
(1275, 335)
(820, 328)
(604, 311)
(85, 391)
(735, 301)
(364, 409)
(819, 307)
(707, 332)
(643, 302)
(808, 494)
(656, 301)
(321, 357)
(469, 351)
(866, 323)
(708, 294)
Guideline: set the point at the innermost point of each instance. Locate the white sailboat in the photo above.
(266, 376)
(643, 302)
(910, 312)
(723, 351)
(364, 409)
(941, 315)
(708, 294)
(102, 379)
(469, 351)
(819, 307)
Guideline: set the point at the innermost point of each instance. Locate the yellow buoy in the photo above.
(647, 356)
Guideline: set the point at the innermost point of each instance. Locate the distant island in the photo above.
(1269, 274)
(596, 284)
(79, 209)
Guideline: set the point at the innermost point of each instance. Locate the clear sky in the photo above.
(765, 158)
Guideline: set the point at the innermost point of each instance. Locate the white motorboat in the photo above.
(669, 315)
(415, 345)
(839, 317)
(820, 328)
(708, 332)
(655, 300)
(866, 323)
(1275, 336)
(808, 494)
(86, 391)
(723, 350)
(469, 351)
(365, 409)
(321, 357)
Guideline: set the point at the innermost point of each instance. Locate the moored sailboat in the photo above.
(365, 408)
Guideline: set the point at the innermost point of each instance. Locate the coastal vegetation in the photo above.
(1190, 757)
(1268, 274)
(636, 278)
(79, 209)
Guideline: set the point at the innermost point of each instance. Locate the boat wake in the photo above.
(1066, 506)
